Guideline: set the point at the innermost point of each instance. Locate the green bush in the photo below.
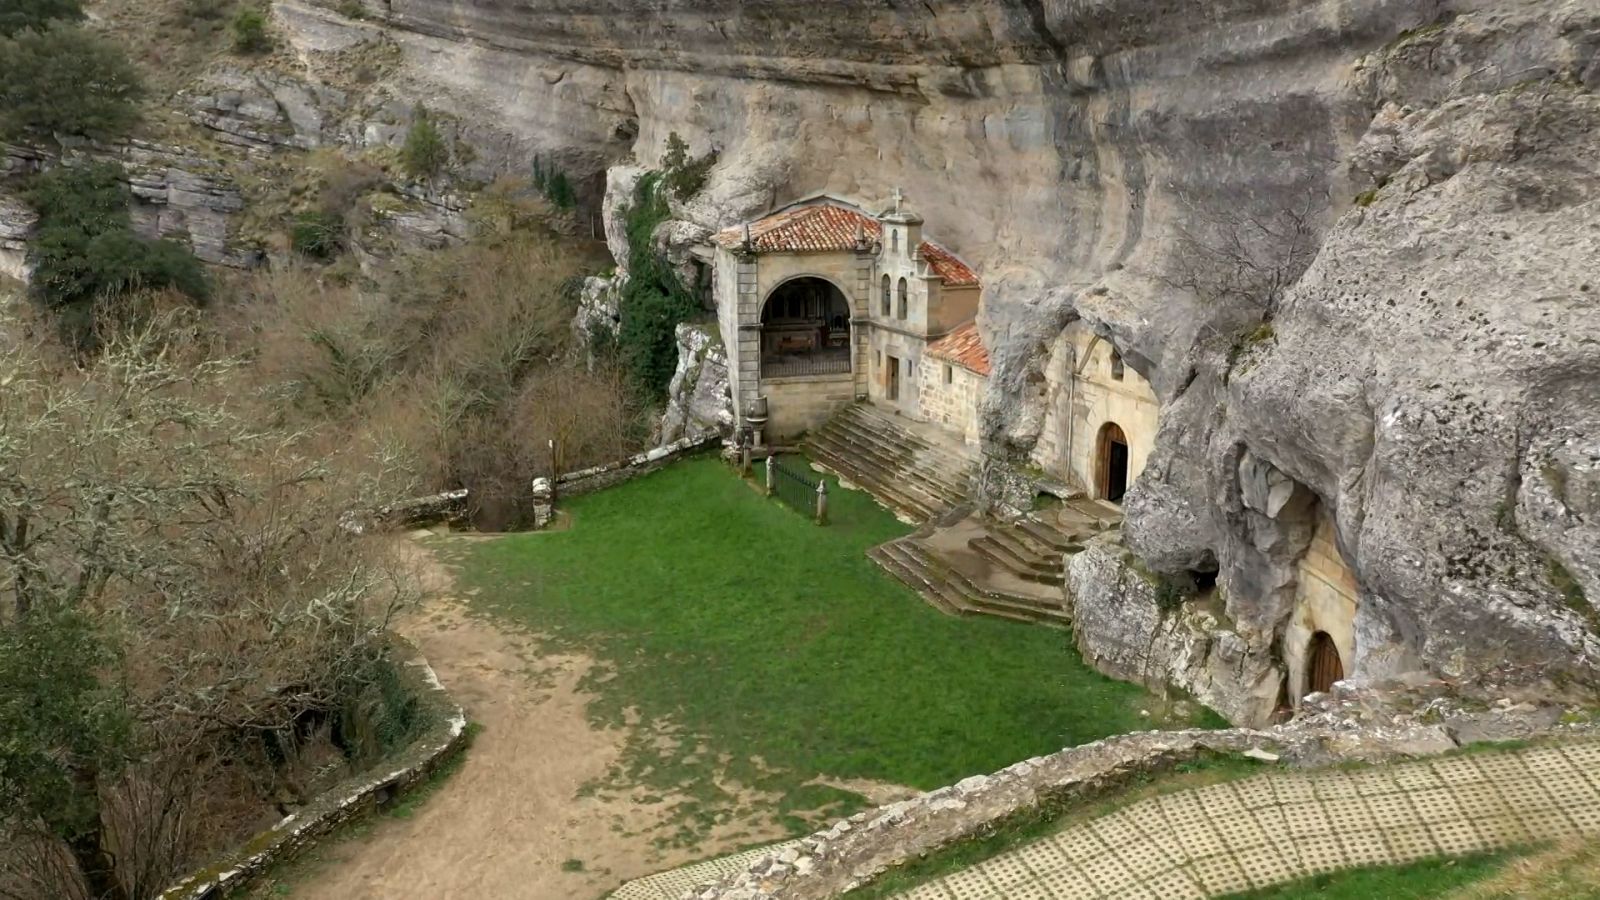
(85, 252)
(250, 31)
(424, 154)
(654, 301)
(318, 234)
(64, 80)
(685, 177)
(352, 9)
(19, 15)
(554, 184)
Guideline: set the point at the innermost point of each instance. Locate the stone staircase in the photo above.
(1035, 547)
(908, 466)
(949, 591)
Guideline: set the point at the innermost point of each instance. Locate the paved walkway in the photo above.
(671, 884)
(1270, 829)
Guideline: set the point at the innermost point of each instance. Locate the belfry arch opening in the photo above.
(805, 329)
(1112, 463)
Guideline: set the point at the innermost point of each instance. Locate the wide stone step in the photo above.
(891, 470)
(932, 480)
(1048, 535)
(897, 565)
(875, 477)
(954, 590)
(1025, 546)
(1038, 573)
(898, 495)
(953, 474)
(891, 429)
(894, 437)
(1103, 515)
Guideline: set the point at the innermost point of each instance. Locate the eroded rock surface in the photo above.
(1428, 381)
(699, 400)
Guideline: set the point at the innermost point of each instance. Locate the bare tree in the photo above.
(1233, 255)
(173, 586)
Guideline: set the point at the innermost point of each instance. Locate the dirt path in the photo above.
(510, 823)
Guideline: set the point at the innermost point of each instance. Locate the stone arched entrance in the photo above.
(1111, 468)
(805, 329)
(1323, 665)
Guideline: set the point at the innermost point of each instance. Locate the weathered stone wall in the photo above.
(598, 478)
(1082, 396)
(797, 405)
(1404, 722)
(952, 404)
(351, 798)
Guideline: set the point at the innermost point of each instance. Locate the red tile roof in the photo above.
(825, 227)
(964, 347)
(944, 264)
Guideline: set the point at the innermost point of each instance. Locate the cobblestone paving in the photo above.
(1270, 829)
(671, 884)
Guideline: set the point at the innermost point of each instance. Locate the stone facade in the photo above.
(948, 395)
(1083, 393)
(901, 292)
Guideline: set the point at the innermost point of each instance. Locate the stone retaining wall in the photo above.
(345, 801)
(1373, 725)
(587, 481)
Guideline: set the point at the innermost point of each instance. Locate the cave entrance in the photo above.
(1113, 463)
(1323, 666)
(805, 330)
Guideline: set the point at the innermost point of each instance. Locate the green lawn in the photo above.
(1434, 878)
(780, 648)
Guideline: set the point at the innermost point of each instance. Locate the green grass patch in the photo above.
(1056, 815)
(754, 647)
(1415, 881)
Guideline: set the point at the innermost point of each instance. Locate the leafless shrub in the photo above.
(1230, 255)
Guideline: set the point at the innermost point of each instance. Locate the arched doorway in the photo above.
(1112, 465)
(1323, 666)
(805, 330)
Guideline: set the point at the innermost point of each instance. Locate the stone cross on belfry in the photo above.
(899, 197)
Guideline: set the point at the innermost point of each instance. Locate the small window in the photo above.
(894, 239)
(908, 368)
(878, 359)
(904, 292)
(888, 309)
(1116, 366)
(949, 374)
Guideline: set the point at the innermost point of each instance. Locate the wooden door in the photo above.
(1323, 666)
(893, 390)
(1112, 463)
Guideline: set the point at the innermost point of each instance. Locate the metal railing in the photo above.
(802, 364)
(796, 491)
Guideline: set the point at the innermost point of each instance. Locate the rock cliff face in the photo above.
(1429, 380)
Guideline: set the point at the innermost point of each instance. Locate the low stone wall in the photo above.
(587, 481)
(345, 801)
(449, 506)
(1374, 725)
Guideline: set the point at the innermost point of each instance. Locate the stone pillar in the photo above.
(747, 356)
(822, 501)
(544, 506)
(772, 463)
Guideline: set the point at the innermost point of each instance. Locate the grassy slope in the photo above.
(771, 639)
(1429, 879)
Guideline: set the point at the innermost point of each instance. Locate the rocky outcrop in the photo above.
(1129, 624)
(1423, 384)
(699, 400)
(17, 220)
(264, 110)
(177, 194)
